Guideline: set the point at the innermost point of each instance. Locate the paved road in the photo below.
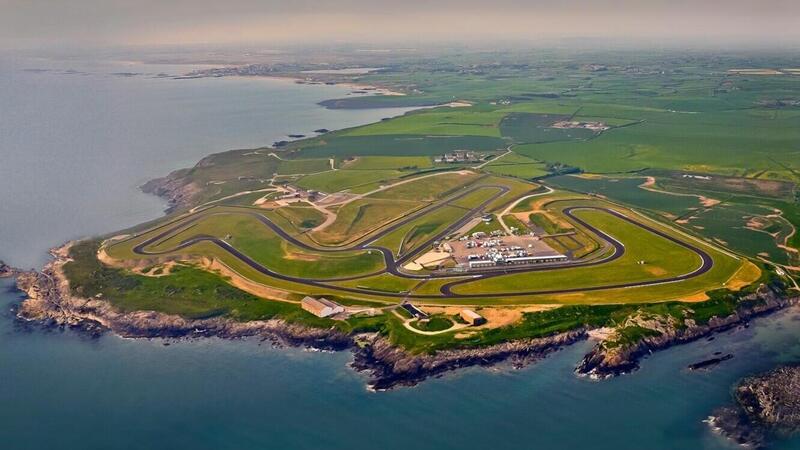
(392, 265)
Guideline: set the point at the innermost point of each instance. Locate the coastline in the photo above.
(362, 89)
(50, 303)
(609, 358)
(330, 79)
(7, 271)
(352, 85)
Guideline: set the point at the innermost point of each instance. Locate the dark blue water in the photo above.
(63, 390)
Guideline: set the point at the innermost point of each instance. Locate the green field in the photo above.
(515, 165)
(340, 180)
(301, 217)
(397, 145)
(435, 323)
(728, 224)
(546, 224)
(536, 128)
(734, 143)
(360, 217)
(628, 190)
(513, 222)
(405, 163)
(300, 166)
(428, 188)
(409, 236)
(384, 282)
(446, 121)
(516, 189)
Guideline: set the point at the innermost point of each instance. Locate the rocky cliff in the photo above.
(6, 270)
(51, 302)
(177, 189)
(614, 356)
(389, 366)
(766, 405)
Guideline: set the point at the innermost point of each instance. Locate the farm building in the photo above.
(471, 317)
(321, 307)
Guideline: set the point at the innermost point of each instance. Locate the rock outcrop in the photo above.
(611, 357)
(767, 404)
(176, 188)
(389, 366)
(51, 302)
(6, 270)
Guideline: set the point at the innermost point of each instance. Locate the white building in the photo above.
(321, 307)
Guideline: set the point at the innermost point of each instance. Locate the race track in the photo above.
(393, 266)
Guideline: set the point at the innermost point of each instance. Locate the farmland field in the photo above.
(537, 128)
(386, 163)
(398, 145)
(629, 190)
(428, 188)
(517, 166)
(340, 180)
(450, 121)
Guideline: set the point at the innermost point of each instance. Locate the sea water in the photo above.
(73, 147)
(78, 137)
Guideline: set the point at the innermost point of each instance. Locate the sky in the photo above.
(100, 23)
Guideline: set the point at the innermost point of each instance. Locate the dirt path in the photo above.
(508, 151)
(330, 217)
(228, 197)
(407, 325)
(705, 201)
(782, 271)
(512, 205)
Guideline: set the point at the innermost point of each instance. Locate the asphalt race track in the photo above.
(393, 265)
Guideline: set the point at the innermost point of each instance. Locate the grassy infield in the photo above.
(746, 141)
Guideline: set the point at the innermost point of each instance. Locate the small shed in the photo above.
(471, 317)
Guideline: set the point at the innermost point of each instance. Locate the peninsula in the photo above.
(521, 208)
